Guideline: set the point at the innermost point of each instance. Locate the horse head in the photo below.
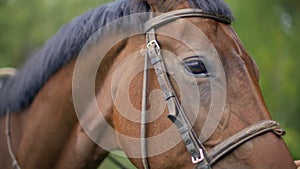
(214, 82)
(168, 82)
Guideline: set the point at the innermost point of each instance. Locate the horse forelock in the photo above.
(19, 91)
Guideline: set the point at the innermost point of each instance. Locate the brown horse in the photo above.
(65, 111)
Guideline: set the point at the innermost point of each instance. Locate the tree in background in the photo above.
(270, 31)
(25, 25)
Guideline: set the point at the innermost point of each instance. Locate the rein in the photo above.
(15, 163)
(202, 158)
(9, 72)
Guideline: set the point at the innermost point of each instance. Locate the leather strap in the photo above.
(8, 71)
(177, 115)
(182, 13)
(15, 163)
(243, 136)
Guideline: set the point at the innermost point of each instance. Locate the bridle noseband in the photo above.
(200, 156)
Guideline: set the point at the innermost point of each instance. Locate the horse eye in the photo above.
(196, 67)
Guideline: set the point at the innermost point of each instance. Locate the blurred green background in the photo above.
(269, 29)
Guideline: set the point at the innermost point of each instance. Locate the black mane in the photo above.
(18, 91)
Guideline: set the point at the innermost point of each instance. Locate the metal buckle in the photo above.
(199, 159)
(153, 42)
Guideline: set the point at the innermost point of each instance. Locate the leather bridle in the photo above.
(7, 71)
(202, 158)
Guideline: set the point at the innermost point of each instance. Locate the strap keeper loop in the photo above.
(155, 60)
(169, 95)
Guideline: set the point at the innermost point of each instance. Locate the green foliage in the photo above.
(25, 25)
(269, 30)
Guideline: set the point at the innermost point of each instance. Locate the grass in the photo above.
(119, 157)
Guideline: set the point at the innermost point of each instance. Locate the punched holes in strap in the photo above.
(161, 73)
(184, 130)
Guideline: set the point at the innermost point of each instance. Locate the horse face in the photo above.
(216, 82)
(212, 64)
